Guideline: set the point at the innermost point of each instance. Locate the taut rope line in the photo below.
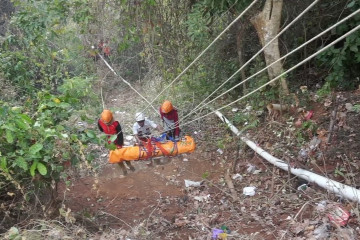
(244, 65)
(282, 74)
(192, 63)
(296, 49)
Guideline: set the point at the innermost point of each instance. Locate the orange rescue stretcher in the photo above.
(153, 149)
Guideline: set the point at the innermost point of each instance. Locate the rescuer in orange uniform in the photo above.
(109, 126)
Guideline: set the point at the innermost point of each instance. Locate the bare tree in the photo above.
(267, 25)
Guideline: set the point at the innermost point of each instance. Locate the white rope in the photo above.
(279, 76)
(202, 53)
(244, 65)
(102, 98)
(122, 79)
(296, 49)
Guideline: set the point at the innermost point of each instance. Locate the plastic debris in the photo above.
(321, 206)
(302, 187)
(185, 160)
(234, 109)
(202, 198)
(314, 143)
(248, 108)
(237, 177)
(251, 168)
(249, 191)
(339, 215)
(303, 153)
(321, 232)
(220, 151)
(257, 171)
(225, 229)
(309, 115)
(216, 232)
(189, 183)
(222, 236)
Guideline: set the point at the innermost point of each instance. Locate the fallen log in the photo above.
(326, 183)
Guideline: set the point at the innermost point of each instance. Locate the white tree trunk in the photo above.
(267, 25)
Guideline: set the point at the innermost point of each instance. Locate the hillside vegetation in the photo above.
(62, 62)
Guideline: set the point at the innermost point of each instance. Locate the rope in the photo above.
(244, 65)
(126, 82)
(102, 98)
(296, 49)
(279, 76)
(202, 53)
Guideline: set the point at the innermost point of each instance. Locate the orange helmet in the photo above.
(167, 107)
(106, 116)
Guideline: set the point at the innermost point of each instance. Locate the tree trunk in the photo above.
(239, 45)
(267, 25)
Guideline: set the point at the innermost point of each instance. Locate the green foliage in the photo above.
(129, 39)
(77, 86)
(203, 14)
(198, 22)
(81, 13)
(44, 51)
(241, 118)
(15, 67)
(356, 108)
(265, 95)
(41, 142)
(344, 60)
(325, 90)
(306, 131)
(205, 20)
(205, 175)
(224, 140)
(36, 18)
(339, 171)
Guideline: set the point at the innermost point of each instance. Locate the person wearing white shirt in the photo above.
(142, 127)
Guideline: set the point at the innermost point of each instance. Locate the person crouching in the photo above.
(109, 126)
